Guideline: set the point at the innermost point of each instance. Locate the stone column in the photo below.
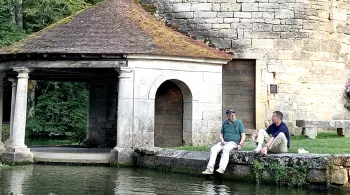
(13, 101)
(17, 151)
(2, 75)
(125, 117)
(122, 153)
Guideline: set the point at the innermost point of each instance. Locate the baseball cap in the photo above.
(230, 111)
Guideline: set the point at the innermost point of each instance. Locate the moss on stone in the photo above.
(171, 42)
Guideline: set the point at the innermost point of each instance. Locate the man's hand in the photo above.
(239, 148)
(223, 142)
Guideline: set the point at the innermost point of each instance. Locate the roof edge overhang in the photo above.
(177, 58)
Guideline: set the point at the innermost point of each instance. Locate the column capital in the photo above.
(22, 72)
(125, 72)
(22, 69)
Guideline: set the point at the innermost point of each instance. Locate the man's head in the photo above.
(277, 117)
(231, 115)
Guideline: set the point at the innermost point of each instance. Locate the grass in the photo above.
(325, 143)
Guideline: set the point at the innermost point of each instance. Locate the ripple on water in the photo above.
(86, 180)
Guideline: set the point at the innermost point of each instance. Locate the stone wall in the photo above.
(202, 116)
(321, 169)
(300, 45)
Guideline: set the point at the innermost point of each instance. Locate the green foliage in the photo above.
(9, 33)
(61, 110)
(39, 14)
(285, 175)
(149, 7)
(258, 168)
(5, 131)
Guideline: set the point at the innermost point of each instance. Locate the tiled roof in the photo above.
(113, 27)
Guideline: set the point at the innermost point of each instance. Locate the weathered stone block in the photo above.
(216, 7)
(228, 33)
(201, 7)
(342, 160)
(182, 161)
(225, 14)
(262, 35)
(182, 7)
(257, 14)
(184, 15)
(230, 7)
(262, 27)
(231, 20)
(262, 43)
(294, 21)
(281, 28)
(240, 172)
(214, 20)
(272, 21)
(17, 157)
(339, 176)
(122, 157)
(221, 43)
(221, 26)
(250, 7)
(269, 5)
(242, 14)
(202, 14)
(284, 13)
(317, 176)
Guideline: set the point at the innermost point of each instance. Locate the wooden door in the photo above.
(238, 91)
(168, 116)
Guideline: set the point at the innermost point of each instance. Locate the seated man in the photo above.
(279, 142)
(232, 136)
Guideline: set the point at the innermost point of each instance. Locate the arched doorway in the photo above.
(168, 129)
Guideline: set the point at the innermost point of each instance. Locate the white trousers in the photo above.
(214, 151)
(279, 144)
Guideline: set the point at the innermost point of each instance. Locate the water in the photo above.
(86, 180)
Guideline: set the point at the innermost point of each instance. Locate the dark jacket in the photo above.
(275, 130)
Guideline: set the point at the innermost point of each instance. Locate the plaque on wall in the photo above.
(273, 89)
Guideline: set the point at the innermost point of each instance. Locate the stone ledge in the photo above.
(322, 168)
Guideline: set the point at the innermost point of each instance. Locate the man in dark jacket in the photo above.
(279, 142)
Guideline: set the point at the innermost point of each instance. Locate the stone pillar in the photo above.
(17, 151)
(2, 75)
(122, 153)
(125, 119)
(13, 101)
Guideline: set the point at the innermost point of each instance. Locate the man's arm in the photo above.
(222, 138)
(243, 137)
(286, 133)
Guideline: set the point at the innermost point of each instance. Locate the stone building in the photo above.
(148, 85)
(296, 50)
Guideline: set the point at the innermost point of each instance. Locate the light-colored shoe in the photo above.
(257, 149)
(220, 170)
(207, 172)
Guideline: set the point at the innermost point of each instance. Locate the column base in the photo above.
(122, 157)
(17, 155)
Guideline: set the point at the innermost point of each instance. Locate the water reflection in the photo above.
(61, 180)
